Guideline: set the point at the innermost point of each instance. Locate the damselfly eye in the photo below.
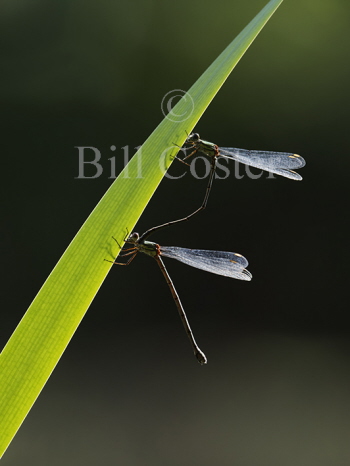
(195, 136)
(134, 237)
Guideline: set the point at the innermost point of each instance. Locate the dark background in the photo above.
(128, 390)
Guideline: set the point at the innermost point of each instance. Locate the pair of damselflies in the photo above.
(227, 264)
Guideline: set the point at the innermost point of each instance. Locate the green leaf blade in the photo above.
(50, 322)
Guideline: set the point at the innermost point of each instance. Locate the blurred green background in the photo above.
(128, 390)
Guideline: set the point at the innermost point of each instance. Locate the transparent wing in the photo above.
(281, 163)
(223, 263)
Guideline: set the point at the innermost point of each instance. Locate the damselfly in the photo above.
(227, 264)
(280, 163)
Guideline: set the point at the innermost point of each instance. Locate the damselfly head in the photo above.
(193, 138)
(133, 238)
